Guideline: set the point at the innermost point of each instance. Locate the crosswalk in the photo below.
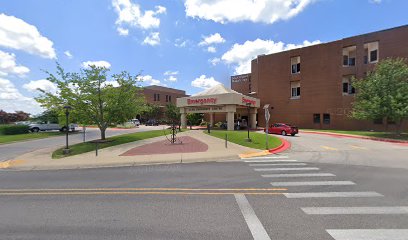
(286, 172)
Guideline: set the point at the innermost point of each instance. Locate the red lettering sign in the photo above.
(245, 101)
(202, 101)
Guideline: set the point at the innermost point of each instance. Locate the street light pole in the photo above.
(66, 150)
(249, 122)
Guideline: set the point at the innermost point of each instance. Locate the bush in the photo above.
(14, 129)
(203, 123)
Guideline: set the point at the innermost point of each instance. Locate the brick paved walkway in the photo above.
(189, 145)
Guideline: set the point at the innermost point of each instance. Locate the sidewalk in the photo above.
(108, 157)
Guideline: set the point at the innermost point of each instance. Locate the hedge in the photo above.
(14, 129)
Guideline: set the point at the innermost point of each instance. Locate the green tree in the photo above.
(51, 115)
(173, 113)
(151, 111)
(383, 94)
(94, 100)
(194, 118)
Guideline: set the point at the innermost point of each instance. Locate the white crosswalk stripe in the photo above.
(297, 175)
(265, 157)
(332, 194)
(286, 169)
(354, 210)
(276, 164)
(369, 234)
(269, 161)
(313, 183)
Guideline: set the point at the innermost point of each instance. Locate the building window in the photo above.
(349, 56)
(326, 118)
(371, 52)
(167, 98)
(295, 90)
(158, 97)
(155, 97)
(316, 118)
(295, 64)
(348, 88)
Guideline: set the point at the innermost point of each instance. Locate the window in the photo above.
(326, 118)
(167, 98)
(295, 90)
(349, 56)
(348, 88)
(155, 97)
(371, 52)
(158, 97)
(316, 118)
(295, 64)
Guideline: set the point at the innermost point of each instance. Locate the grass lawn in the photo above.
(112, 141)
(390, 135)
(238, 137)
(27, 136)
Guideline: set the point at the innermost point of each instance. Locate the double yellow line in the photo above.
(141, 191)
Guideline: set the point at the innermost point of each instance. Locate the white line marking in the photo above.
(269, 161)
(254, 225)
(299, 175)
(332, 194)
(286, 169)
(276, 164)
(369, 234)
(266, 157)
(313, 183)
(355, 210)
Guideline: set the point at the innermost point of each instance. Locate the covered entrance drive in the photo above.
(219, 99)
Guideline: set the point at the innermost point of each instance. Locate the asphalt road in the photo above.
(266, 198)
(12, 150)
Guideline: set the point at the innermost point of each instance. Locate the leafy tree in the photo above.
(194, 118)
(94, 100)
(51, 115)
(173, 113)
(6, 117)
(383, 94)
(151, 111)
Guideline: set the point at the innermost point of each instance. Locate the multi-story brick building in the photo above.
(161, 96)
(311, 86)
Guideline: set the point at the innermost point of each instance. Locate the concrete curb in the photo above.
(356, 136)
(281, 148)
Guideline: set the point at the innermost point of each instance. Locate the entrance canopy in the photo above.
(218, 99)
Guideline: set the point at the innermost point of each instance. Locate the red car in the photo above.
(282, 128)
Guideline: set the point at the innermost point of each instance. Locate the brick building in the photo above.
(311, 86)
(161, 96)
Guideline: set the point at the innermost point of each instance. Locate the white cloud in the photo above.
(211, 49)
(122, 31)
(212, 39)
(214, 61)
(171, 79)
(130, 14)
(8, 65)
(168, 73)
(68, 54)
(17, 34)
(148, 79)
(12, 100)
(87, 64)
(266, 11)
(42, 84)
(375, 1)
(153, 39)
(240, 55)
(204, 82)
(180, 43)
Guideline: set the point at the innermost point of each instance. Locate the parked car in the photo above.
(36, 127)
(152, 122)
(136, 122)
(283, 129)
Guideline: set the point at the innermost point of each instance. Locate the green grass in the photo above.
(27, 136)
(238, 137)
(389, 135)
(112, 141)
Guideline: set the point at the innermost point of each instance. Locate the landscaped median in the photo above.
(112, 141)
(258, 140)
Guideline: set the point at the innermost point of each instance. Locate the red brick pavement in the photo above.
(188, 145)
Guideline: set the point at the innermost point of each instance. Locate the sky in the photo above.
(190, 45)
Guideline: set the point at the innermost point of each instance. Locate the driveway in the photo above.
(12, 150)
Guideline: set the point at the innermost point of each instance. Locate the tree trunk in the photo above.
(398, 124)
(103, 131)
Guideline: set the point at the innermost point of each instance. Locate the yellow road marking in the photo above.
(330, 148)
(141, 189)
(135, 193)
(358, 147)
(10, 163)
(254, 154)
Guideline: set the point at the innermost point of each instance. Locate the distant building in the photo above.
(311, 87)
(161, 96)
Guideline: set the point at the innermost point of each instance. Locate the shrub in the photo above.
(14, 129)
(218, 124)
(203, 123)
